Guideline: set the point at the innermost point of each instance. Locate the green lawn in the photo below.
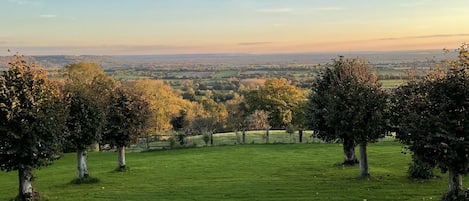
(242, 172)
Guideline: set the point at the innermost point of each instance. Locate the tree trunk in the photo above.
(363, 160)
(349, 152)
(454, 181)
(81, 160)
(300, 135)
(121, 157)
(244, 136)
(25, 175)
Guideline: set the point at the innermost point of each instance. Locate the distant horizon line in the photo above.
(239, 53)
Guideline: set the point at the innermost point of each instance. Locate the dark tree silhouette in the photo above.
(347, 104)
(128, 117)
(32, 121)
(435, 125)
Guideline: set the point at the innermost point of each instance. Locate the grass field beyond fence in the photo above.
(232, 138)
(242, 172)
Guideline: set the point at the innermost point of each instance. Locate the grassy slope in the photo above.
(247, 172)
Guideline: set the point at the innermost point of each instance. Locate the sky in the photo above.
(131, 27)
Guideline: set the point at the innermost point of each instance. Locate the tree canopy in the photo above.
(128, 117)
(89, 90)
(431, 118)
(348, 104)
(278, 97)
(164, 102)
(32, 120)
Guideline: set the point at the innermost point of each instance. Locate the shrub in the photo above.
(172, 142)
(206, 138)
(420, 170)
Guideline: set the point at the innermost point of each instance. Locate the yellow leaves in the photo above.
(165, 102)
(89, 80)
(278, 97)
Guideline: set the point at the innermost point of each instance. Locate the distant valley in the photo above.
(233, 60)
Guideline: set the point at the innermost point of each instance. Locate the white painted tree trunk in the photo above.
(25, 175)
(364, 172)
(81, 160)
(454, 181)
(121, 157)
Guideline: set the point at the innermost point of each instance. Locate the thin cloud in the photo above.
(47, 16)
(24, 2)
(328, 9)
(415, 3)
(425, 36)
(275, 10)
(254, 43)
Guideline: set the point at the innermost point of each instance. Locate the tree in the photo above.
(237, 110)
(129, 116)
(194, 119)
(91, 79)
(32, 118)
(279, 98)
(408, 106)
(259, 119)
(89, 89)
(215, 111)
(348, 104)
(434, 126)
(165, 102)
(84, 123)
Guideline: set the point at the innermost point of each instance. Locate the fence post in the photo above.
(211, 138)
(244, 136)
(267, 136)
(300, 133)
(147, 141)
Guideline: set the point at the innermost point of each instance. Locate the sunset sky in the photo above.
(120, 27)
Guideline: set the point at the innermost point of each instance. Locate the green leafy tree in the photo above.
(408, 106)
(84, 124)
(435, 127)
(32, 120)
(347, 104)
(278, 97)
(128, 117)
(90, 90)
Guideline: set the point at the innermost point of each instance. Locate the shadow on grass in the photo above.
(35, 197)
(121, 169)
(342, 165)
(85, 180)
